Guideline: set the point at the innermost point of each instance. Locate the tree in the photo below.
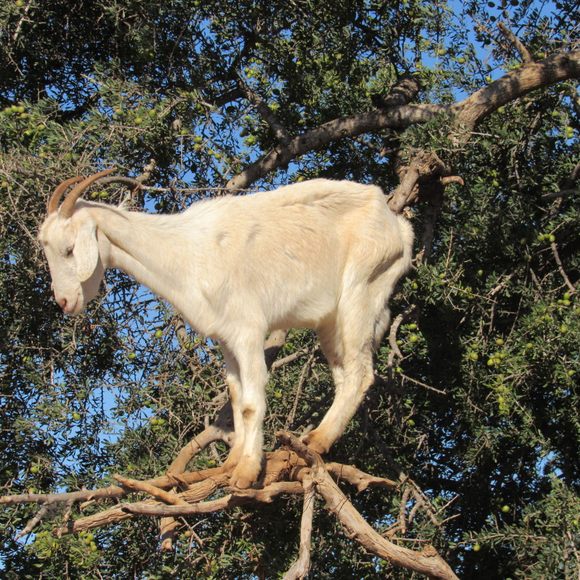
(466, 115)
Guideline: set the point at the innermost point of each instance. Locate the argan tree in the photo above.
(463, 459)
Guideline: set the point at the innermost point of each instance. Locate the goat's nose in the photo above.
(61, 302)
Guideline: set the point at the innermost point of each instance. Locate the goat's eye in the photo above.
(68, 252)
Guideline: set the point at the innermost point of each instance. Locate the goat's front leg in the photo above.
(253, 376)
(235, 387)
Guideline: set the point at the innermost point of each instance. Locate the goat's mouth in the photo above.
(74, 307)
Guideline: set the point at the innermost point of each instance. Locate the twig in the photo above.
(561, 267)
(424, 385)
(395, 351)
(21, 22)
(33, 522)
(303, 375)
(418, 494)
(561, 193)
(265, 112)
(403, 510)
(288, 359)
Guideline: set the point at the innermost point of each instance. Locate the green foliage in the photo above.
(482, 405)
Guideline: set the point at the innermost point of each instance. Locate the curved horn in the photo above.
(67, 207)
(52, 204)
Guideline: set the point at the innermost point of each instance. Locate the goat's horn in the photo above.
(68, 205)
(52, 204)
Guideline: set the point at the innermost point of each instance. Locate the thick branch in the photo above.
(157, 493)
(219, 430)
(195, 493)
(358, 478)
(399, 118)
(111, 492)
(515, 84)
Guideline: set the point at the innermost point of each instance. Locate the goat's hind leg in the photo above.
(352, 369)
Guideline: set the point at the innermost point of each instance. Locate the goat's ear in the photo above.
(86, 250)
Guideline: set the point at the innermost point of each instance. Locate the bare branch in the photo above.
(237, 498)
(358, 478)
(111, 492)
(195, 493)
(516, 42)
(515, 84)
(266, 113)
(219, 430)
(33, 522)
(303, 375)
(301, 567)
(289, 358)
(335, 130)
(157, 493)
(558, 261)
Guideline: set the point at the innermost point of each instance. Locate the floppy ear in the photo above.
(86, 250)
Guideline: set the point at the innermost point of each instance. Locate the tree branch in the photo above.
(237, 498)
(399, 118)
(516, 42)
(427, 561)
(515, 84)
(301, 567)
(358, 478)
(265, 112)
(467, 114)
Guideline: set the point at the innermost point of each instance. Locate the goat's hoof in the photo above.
(245, 474)
(232, 460)
(316, 442)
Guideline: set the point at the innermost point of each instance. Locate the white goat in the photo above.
(320, 254)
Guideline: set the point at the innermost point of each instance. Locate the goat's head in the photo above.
(70, 242)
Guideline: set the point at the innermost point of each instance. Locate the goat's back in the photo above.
(290, 252)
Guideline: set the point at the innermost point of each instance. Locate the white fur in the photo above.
(320, 254)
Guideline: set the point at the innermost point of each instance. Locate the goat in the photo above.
(320, 254)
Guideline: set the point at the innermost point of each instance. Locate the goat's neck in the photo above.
(149, 248)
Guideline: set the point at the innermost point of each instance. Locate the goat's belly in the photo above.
(309, 312)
